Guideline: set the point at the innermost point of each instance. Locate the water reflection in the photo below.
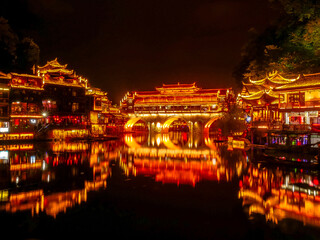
(53, 177)
(50, 178)
(281, 193)
(179, 158)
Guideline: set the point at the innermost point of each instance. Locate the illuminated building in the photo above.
(25, 102)
(63, 100)
(54, 103)
(74, 109)
(171, 103)
(284, 104)
(175, 98)
(100, 111)
(4, 102)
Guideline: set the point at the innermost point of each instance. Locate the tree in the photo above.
(16, 54)
(232, 121)
(290, 46)
(28, 53)
(8, 42)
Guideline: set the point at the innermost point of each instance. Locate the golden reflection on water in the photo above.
(172, 158)
(179, 158)
(280, 194)
(31, 166)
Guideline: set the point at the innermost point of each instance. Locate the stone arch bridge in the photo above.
(161, 123)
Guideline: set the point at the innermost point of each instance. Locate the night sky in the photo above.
(124, 45)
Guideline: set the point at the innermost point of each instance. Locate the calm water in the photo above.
(156, 187)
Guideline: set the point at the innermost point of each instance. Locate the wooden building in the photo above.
(64, 100)
(287, 105)
(175, 98)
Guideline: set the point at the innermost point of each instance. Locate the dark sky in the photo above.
(123, 45)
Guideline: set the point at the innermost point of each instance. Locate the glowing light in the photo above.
(263, 127)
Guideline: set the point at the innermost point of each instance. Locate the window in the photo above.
(292, 98)
(297, 98)
(75, 107)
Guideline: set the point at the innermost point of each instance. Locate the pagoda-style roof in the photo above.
(4, 75)
(263, 96)
(177, 88)
(306, 81)
(24, 75)
(146, 93)
(95, 91)
(249, 88)
(55, 73)
(54, 67)
(272, 80)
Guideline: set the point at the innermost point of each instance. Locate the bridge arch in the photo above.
(209, 123)
(168, 122)
(131, 142)
(128, 127)
(168, 143)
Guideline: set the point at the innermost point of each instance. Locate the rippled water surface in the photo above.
(175, 185)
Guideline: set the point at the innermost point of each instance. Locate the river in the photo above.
(156, 186)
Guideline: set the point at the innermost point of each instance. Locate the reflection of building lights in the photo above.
(214, 161)
(32, 159)
(158, 125)
(158, 140)
(33, 121)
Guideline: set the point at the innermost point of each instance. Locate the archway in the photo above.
(181, 127)
(209, 123)
(135, 125)
(168, 143)
(131, 141)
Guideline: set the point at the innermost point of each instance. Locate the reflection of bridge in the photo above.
(160, 110)
(169, 161)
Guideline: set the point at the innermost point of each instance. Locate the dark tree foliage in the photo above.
(291, 45)
(16, 54)
(232, 121)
